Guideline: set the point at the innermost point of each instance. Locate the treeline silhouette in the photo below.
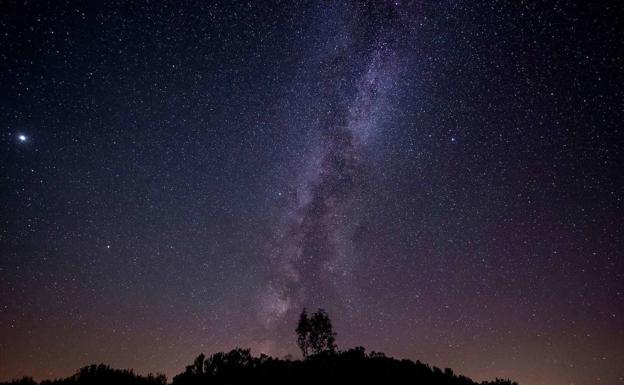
(322, 364)
(98, 375)
(353, 366)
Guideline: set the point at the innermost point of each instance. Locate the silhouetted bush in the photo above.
(98, 375)
(22, 381)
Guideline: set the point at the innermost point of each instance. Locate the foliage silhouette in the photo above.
(322, 336)
(303, 333)
(98, 375)
(322, 364)
(238, 366)
(315, 334)
(353, 366)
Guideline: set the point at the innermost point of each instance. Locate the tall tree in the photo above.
(303, 333)
(315, 333)
(322, 336)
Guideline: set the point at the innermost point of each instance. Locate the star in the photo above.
(22, 138)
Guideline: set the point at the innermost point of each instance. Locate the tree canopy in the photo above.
(315, 334)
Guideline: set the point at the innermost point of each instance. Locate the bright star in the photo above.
(22, 138)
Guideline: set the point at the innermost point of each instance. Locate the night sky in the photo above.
(444, 178)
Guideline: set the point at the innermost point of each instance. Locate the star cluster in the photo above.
(444, 178)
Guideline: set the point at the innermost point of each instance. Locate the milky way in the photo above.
(444, 178)
(313, 254)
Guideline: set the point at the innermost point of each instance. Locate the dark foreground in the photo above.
(238, 366)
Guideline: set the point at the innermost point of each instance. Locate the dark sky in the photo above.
(445, 178)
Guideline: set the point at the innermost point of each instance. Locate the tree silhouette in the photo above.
(303, 333)
(322, 336)
(198, 365)
(315, 333)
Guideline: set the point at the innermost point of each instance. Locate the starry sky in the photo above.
(443, 177)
